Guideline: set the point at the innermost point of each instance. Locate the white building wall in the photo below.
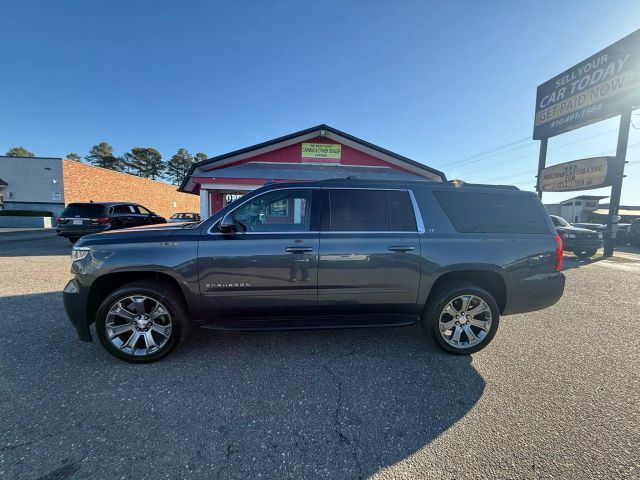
(34, 183)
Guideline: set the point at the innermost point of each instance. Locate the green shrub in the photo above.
(25, 213)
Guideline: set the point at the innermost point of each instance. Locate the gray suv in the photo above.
(331, 254)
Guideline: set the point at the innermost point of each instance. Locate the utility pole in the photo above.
(616, 186)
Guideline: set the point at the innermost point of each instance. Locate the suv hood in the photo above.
(157, 230)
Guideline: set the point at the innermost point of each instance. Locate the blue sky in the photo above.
(436, 81)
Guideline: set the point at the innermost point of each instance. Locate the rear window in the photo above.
(86, 210)
(471, 212)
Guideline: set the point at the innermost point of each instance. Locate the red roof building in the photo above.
(316, 153)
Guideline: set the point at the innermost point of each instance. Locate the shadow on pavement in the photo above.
(44, 245)
(571, 262)
(334, 404)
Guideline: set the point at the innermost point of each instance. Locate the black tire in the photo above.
(159, 291)
(585, 253)
(438, 301)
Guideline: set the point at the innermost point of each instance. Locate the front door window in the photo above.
(286, 210)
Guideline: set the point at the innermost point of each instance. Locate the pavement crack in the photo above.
(343, 439)
(8, 448)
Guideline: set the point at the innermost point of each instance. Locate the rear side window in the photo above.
(471, 212)
(122, 209)
(370, 211)
(84, 210)
(403, 219)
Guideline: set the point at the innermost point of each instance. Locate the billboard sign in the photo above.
(582, 174)
(598, 88)
(322, 152)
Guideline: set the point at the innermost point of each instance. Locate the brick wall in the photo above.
(84, 182)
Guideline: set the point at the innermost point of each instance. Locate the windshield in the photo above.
(559, 221)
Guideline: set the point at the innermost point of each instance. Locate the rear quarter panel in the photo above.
(526, 262)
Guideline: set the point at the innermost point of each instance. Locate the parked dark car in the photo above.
(581, 241)
(80, 219)
(184, 217)
(621, 230)
(335, 253)
(633, 234)
(596, 227)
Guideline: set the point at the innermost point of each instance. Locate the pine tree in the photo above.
(101, 155)
(179, 165)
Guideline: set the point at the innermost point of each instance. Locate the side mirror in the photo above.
(228, 224)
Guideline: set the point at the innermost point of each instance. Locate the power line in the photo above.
(531, 155)
(515, 142)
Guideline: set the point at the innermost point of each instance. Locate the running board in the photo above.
(312, 323)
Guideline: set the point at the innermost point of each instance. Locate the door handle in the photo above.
(299, 249)
(401, 248)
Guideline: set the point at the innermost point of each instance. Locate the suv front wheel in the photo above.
(461, 317)
(142, 321)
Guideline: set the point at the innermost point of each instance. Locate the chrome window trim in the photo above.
(342, 232)
(269, 233)
(416, 212)
(414, 204)
(392, 189)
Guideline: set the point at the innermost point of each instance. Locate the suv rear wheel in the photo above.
(462, 318)
(142, 321)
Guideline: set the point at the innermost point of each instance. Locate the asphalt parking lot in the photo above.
(556, 395)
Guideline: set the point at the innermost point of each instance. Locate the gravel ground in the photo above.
(556, 395)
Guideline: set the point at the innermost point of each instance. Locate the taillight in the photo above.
(559, 254)
(101, 219)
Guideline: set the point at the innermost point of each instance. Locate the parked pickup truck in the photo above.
(581, 241)
(330, 254)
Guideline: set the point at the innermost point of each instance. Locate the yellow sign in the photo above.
(328, 151)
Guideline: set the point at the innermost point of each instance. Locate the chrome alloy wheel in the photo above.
(138, 325)
(465, 321)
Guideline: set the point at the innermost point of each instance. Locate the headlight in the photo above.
(78, 253)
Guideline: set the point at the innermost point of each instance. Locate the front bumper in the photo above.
(534, 293)
(581, 244)
(75, 298)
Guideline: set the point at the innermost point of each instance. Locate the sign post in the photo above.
(616, 186)
(542, 161)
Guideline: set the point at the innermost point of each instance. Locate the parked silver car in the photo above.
(184, 217)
